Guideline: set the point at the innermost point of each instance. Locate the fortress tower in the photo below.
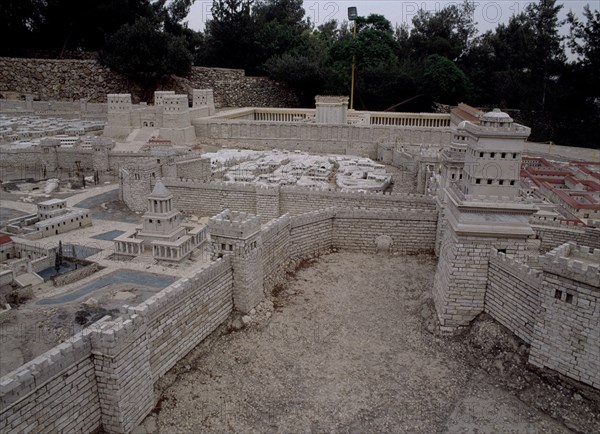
(483, 210)
(204, 98)
(119, 114)
(176, 120)
(237, 234)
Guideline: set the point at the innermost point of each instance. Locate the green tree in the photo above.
(143, 50)
(229, 35)
(447, 32)
(20, 20)
(445, 82)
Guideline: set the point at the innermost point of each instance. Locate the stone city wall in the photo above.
(553, 233)
(70, 79)
(276, 242)
(104, 375)
(567, 330)
(412, 231)
(210, 198)
(290, 239)
(512, 297)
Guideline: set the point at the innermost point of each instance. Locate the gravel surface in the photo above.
(347, 346)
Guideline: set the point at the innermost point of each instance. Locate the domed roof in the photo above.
(496, 115)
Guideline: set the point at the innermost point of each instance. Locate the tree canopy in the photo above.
(522, 64)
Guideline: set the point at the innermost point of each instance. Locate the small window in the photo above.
(478, 181)
(149, 220)
(503, 155)
(492, 154)
(501, 182)
(558, 294)
(502, 251)
(514, 155)
(460, 177)
(222, 246)
(453, 176)
(489, 181)
(569, 298)
(481, 154)
(512, 182)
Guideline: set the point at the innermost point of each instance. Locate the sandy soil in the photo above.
(349, 348)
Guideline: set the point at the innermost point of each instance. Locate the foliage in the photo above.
(521, 64)
(142, 49)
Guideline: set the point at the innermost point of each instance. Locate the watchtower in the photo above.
(483, 211)
(237, 234)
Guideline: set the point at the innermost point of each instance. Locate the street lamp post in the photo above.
(352, 16)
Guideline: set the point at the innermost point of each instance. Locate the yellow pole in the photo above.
(353, 68)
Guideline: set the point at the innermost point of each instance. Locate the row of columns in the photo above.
(129, 248)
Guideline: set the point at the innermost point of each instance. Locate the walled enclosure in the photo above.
(69, 79)
(80, 385)
(210, 198)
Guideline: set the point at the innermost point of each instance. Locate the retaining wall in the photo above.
(70, 79)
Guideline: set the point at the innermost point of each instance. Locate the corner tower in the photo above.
(483, 210)
(237, 234)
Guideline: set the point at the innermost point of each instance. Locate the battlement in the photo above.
(175, 103)
(234, 224)
(202, 97)
(553, 221)
(25, 379)
(516, 268)
(159, 96)
(119, 102)
(579, 263)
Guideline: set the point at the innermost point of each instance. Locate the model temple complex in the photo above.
(227, 203)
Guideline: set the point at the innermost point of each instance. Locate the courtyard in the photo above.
(348, 345)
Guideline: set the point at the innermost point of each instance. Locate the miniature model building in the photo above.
(53, 217)
(21, 259)
(163, 230)
(170, 116)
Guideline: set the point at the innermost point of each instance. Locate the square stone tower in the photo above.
(483, 210)
(237, 234)
(204, 98)
(119, 109)
(331, 109)
(176, 120)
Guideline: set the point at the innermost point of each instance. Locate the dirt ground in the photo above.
(349, 348)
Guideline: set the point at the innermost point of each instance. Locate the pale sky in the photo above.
(488, 14)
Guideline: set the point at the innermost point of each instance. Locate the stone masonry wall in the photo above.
(412, 231)
(276, 241)
(459, 286)
(554, 233)
(183, 314)
(210, 198)
(289, 240)
(69, 79)
(568, 327)
(103, 377)
(55, 392)
(512, 297)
